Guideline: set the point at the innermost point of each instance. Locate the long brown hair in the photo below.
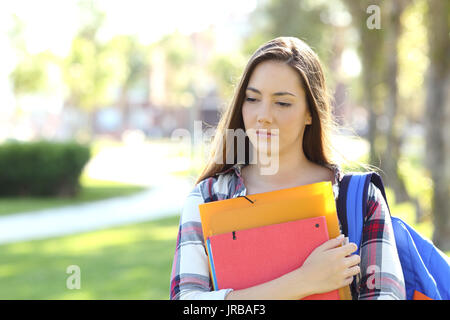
(317, 136)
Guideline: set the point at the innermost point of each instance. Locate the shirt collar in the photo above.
(237, 168)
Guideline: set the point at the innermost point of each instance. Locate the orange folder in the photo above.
(302, 202)
(420, 296)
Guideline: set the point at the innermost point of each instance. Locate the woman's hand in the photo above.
(330, 266)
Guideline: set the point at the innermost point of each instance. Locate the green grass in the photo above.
(91, 190)
(127, 262)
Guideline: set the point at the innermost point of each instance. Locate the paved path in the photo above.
(156, 202)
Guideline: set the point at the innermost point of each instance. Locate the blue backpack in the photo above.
(426, 269)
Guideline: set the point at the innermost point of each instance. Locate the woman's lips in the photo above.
(265, 133)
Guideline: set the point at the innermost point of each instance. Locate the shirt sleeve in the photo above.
(381, 275)
(190, 277)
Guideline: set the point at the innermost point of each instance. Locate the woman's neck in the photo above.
(291, 168)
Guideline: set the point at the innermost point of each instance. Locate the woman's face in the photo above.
(275, 99)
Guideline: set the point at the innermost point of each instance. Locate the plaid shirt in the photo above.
(381, 274)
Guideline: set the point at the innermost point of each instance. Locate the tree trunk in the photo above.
(437, 117)
(124, 108)
(339, 100)
(371, 50)
(392, 135)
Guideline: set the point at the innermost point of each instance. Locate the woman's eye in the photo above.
(284, 104)
(250, 99)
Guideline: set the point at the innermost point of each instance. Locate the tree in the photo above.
(371, 52)
(304, 19)
(30, 74)
(180, 67)
(437, 117)
(226, 69)
(91, 71)
(132, 59)
(379, 50)
(393, 134)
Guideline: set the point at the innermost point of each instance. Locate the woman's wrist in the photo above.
(300, 285)
(291, 286)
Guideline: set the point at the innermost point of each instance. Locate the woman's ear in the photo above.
(308, 119)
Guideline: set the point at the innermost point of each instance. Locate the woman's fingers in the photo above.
(348, 281)
(352, 271)
(332, 243)
(337, 244)
(352, 260)
(347, 249)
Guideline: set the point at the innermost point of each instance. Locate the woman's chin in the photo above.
(265, 150)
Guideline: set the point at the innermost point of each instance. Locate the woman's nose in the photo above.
(264, 113)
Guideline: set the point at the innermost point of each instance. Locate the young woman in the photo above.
(282, 96)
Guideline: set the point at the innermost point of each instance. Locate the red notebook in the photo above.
(245, 258)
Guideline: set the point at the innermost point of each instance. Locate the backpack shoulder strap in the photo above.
(352, 203)
(376, 180)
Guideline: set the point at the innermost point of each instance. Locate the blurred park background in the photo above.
(93, 92)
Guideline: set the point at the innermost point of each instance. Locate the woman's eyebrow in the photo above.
(275, 94)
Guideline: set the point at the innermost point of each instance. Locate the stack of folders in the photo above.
(254, 239)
